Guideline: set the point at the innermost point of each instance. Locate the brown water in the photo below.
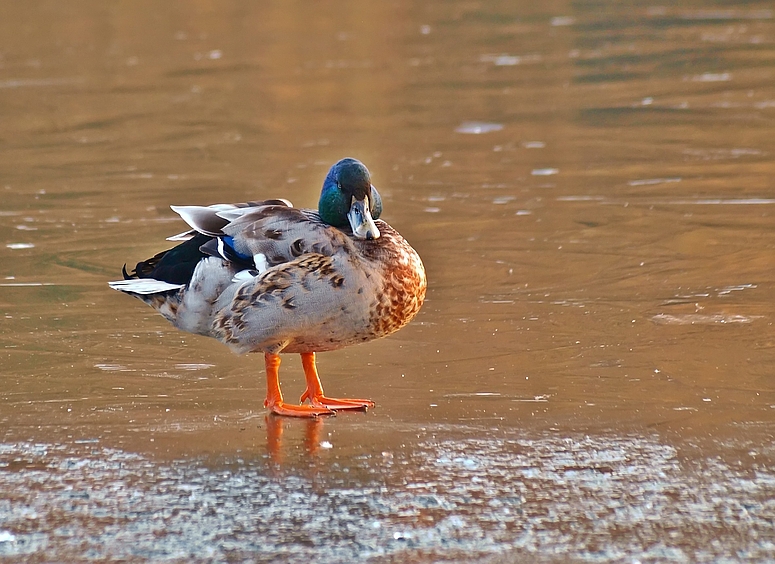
(590, 186)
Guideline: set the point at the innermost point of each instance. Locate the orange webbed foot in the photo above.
(314, 391)
(274, 397)
(336, 404)
(290, 410)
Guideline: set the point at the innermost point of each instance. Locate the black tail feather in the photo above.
(175, 265)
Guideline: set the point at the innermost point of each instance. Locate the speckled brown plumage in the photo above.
(362, 291)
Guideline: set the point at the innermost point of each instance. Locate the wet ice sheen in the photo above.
(624, 288)
(478, 127)
(591, 498)
(700, 319)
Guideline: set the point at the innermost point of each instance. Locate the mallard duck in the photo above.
(268, 277)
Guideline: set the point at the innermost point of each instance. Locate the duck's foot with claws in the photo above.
(274, 397)
(319, 404)
(290, 410)
(314, 391)
(335, 404)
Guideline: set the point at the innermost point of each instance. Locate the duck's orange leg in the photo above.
(274, 397)
(314, 391)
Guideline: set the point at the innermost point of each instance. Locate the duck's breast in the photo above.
(402, 278)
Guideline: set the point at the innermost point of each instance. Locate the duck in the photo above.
(266, 277)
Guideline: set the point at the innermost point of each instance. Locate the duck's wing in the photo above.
(208, 221)
(262, 235)
(308, 304)
(283, 234)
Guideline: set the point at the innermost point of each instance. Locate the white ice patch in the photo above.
(478, 127)
(699, 319)
(144, 286)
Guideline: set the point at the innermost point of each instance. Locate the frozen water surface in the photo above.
(590, 186)
(596, 498)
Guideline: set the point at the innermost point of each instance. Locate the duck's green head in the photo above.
(348, 198)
